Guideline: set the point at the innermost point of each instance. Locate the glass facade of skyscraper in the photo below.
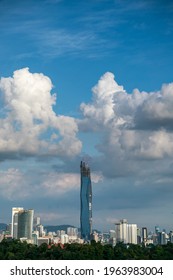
(85, 202)
(14, 223)
(25, 223)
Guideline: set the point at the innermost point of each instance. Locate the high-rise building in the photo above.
(36, 222)
(139, 238)
(126, 233)
(171, 236)
(162, 238)
(14, 223)
(25, 223)
(157, 229)
(71, 231)
(121, 231)
(144, 235)
(132, 233)
(40, 229)
(85, 202)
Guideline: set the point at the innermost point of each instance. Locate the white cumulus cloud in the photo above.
(102, 110)
(28, 114)
(60, 183)
(131, 126)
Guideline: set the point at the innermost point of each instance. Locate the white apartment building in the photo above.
(126, 233)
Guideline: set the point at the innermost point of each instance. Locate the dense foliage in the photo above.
(16, 250)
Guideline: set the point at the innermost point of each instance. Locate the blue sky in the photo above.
(87, 80)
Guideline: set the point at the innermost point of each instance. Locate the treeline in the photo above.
(16, 250)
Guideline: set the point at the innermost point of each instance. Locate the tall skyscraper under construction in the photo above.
(85, 202)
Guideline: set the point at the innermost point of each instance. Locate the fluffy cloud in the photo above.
(156, 111)
(28, 116)
(133, 126)
(131, 129)
(101, 110)
(16, 184)
(60, 183)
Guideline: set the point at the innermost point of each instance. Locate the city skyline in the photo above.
(87, 81)
(28, 227)
(12, 225)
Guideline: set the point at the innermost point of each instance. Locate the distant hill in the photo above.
(3, 226)
(55, 228)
